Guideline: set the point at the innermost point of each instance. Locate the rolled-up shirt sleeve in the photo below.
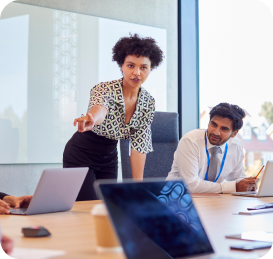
(188, 167)
(238, 174)
(142, 138)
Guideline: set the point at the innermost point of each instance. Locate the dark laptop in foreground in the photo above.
(56, 191)
(156, 219)
(265, 189)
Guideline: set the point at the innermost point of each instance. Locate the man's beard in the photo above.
(219, 142)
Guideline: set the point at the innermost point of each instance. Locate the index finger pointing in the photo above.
(75, 122)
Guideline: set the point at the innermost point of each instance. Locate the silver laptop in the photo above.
(56, 191)
(265, 189)
(156, 219)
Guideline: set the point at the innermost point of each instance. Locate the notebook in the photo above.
(156, 219)
(56, 191)
(265, 189)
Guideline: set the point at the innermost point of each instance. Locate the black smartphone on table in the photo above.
(250, 246)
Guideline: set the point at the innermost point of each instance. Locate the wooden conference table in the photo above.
(73, 231)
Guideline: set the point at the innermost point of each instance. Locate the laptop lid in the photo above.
(57, 190)
(155, 219)
(265, 188)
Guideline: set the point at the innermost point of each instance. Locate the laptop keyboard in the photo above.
(21, 211)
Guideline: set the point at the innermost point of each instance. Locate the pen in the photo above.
(259, 172)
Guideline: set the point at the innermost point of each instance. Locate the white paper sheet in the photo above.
(23, 253)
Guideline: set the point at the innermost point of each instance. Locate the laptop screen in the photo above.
(155, 219)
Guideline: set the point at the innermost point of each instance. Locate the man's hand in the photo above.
(247, 184)
(7, 244)
(18, 202)
(4, 207)
(85, 123)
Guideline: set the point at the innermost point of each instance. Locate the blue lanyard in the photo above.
(223, 161)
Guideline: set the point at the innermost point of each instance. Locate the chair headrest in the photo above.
(165, 127)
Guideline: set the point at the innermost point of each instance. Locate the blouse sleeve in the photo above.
(99, 95)
(142, 138)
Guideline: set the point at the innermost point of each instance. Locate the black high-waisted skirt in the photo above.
(100, 154)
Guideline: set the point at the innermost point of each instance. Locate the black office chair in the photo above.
(165, 140)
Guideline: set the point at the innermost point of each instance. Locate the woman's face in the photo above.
(135, 70)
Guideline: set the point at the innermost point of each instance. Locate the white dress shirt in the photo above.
(190, 163)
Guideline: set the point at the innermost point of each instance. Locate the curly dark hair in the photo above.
(135, 45)
(231, 111)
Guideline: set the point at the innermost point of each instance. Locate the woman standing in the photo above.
(118, 109)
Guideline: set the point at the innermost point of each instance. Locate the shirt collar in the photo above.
(117, 86)
(209, 145)
(142, 101)
(139, 107)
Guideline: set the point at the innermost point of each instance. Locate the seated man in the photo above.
(17, 202)
(211, 161)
